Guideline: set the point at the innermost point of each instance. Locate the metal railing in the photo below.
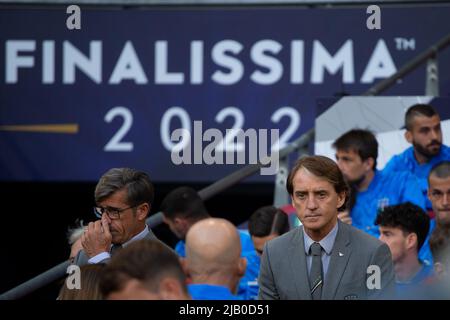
(428, 55)
(298, 145)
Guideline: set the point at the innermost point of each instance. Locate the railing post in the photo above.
(432, 77)
(281, 196)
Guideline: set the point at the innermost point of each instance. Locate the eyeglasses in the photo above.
(113, 213)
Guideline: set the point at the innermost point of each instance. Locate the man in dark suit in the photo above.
(123, 197)
(323, 258)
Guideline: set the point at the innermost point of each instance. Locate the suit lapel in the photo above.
(150, 235)
(297, 258)
(340, 255)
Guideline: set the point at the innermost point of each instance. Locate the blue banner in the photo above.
(74, 103)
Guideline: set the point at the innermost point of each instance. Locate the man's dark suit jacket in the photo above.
(284, 275)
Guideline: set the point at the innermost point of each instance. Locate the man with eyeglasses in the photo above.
(123, 197)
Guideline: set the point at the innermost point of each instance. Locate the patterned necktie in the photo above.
(315, 274)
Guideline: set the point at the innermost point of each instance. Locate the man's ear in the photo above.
(182, 224)
(429, 193)
(411, 240)
(439, 269)
(341, 199)
(142, 211)
(408, 136)
(170, 289)
(369, 164)
(178, 221)
(185, 267)
(242, 265)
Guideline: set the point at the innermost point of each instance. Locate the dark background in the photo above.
(36, 216)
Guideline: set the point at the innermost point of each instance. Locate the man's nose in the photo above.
(311, 203)
(340, 165)
(446, 199)
(434, 135)
(106, 217)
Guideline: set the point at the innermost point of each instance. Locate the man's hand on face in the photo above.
(97, 238)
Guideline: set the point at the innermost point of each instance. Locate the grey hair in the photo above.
(137, 183)
(73, 234)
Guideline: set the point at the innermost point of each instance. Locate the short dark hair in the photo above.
(440, 170)
(423, 110)
(363, 142)
(268, 220)
(324, 168)
(148, 261)
(408, 217)
(137, 183)
(184, 202)
(440, 244)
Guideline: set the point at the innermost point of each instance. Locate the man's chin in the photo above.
(444, 218)
(313, 224)
(433, 151)
(430, 151)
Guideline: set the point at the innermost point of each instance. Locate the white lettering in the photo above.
(323, 60)
(128, 67)
(197, 62)
(48, 62)
(234, 65)
(72, 58)
(297, 61)
(274, 65)
(162, 75)
(14, 61)
(380, 64)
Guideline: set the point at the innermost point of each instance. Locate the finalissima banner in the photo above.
(76, 102)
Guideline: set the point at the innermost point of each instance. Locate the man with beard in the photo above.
(356, 155)
(423, 131)
(124, 197)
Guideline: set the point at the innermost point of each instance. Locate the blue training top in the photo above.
(414, 288)
(210, 292)
(384, 190)
(406, 161)
(388, 189)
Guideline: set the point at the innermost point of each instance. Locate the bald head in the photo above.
(212, 246)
